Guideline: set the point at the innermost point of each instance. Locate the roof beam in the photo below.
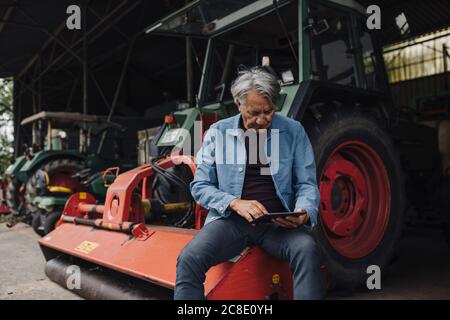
(6, 16)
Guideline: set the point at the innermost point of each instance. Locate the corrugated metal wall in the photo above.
(416, 58)
(417, 68)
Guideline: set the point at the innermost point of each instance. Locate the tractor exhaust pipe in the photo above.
(98, 283)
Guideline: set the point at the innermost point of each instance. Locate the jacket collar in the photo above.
(235, 130)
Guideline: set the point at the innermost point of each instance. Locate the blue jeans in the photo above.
(223, 239)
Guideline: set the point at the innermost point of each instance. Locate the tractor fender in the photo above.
(14, 168)
(313, 91)
(42, 156)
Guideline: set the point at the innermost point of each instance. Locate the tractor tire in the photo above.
(444, 208)
(44, 223)
(37, 223)
(362, 203)
(14, 196)
(50, 221)
(60, 172)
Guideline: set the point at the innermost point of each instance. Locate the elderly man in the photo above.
(236, 193)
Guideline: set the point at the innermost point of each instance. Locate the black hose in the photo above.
(178, 182)
(169, 175)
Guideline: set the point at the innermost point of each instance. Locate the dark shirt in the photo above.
(256, 186)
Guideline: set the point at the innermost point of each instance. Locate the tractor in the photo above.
(56, 157)
(50, 200)
(368, 155)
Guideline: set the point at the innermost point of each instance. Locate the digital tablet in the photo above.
(272, 215)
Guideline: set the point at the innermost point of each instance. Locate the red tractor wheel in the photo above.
(361, 194)
(44, 223)
(355, 199)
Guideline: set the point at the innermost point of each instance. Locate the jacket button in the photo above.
(240, 169)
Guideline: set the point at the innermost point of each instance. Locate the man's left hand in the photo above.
(292, 222)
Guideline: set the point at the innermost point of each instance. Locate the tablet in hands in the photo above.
(272, 215)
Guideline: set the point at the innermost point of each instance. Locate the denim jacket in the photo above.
(221, 163)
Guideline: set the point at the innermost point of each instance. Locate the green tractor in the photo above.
(334, 82)
(57, 160)
(51, 200)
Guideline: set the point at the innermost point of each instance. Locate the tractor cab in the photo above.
(306, 40)
(234, 42)
(311, 44)
(56, 125)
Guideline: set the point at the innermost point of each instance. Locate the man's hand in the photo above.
(292, 222)
(249, 209)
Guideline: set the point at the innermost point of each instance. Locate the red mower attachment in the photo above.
(122, 257)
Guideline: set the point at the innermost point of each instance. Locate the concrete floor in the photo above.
(421, 272)
(22, 267)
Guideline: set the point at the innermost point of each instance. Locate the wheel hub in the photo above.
(355, 199)
(343, 197)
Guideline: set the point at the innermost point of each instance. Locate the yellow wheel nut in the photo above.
(276, 278)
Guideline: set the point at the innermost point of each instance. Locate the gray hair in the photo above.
(257, 79)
